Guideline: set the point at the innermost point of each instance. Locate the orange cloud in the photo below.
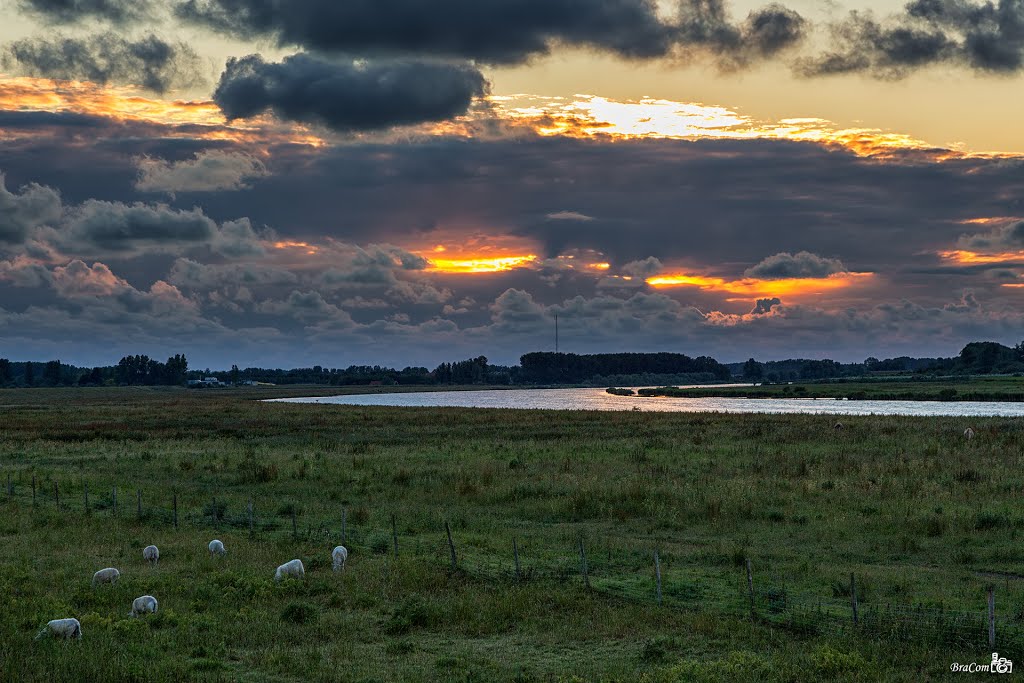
(754, 288)
(965, 257)
(201, 119)
(591, 116)
(481, 264)
(289, 244)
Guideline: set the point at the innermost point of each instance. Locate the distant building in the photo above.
(205, 382)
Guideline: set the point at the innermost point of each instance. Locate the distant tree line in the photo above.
(976, 358)
(570, 368)
(606, 369)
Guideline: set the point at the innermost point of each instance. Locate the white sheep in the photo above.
(340, 556)
(151, 554)
(61, 628)
(217, 548)
(145, 604)
(968, 433)
(108, 575)
(293, 569)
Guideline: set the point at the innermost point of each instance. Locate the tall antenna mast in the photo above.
(556, 333)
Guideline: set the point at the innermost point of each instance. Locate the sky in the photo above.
(333, 182)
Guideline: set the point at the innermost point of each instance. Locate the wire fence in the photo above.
(633, 575)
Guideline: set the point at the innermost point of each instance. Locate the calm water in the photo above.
(599, 399)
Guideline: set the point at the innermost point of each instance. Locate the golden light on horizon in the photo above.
(480, 264)
(586, 116)
(966, 257)
(753, 287)
(290, 244)
(201, 119)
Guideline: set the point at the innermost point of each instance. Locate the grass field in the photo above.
(921, 517)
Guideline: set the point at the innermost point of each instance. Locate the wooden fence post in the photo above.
(87, 497)
(451, 545)
(113, 496)
(33, 490)
(657, 573)
(394, 533)
(138, 505)
(56, 494)
(515, 556)
(583, 564)
(853, 597)
(344, 525)
(175, 509)
(750, 586)
(992, 617)
(214, 511)
(10, 489)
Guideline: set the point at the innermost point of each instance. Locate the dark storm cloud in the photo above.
(765, 306)
(986, 36)
(497, 32)
(348, 95)
(150, 61)
(500, 31)
(24, 211)
(765, 32)
(1005, 238)
(75, 11)
(800, 265)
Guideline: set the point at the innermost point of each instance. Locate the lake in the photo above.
(599, 399)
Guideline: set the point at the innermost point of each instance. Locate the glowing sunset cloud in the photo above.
(751, 287)
(203, 119)
(288, 244)
(592, 116)
(481, 264)
(965, 257)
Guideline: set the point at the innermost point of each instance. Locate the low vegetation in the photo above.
(922, 517)
(908, 389)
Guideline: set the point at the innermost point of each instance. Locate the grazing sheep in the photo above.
(216, 547)
(143, 605)
(61, 628)
(839, 426)
(340, 557)
(108, 575)
(293, 569)
(968, 433)
(151, 554)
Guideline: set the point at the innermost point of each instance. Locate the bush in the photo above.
(300, 613)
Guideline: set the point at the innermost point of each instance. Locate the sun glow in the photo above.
(586, 116)
(481, 264)
(965, 257)
(289, 244)
(752, 287)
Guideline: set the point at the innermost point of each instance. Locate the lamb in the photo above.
(108, 575)
(217, 548)
(293, 569)
(61, 628)
(151, 554)
(340, 557)
(968, 433)
(145, 604)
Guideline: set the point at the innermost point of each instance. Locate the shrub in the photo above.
(300, 613)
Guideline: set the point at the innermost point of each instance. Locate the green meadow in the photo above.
(924, 520)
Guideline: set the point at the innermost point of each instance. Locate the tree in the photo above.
(753, 371)
(30, 377)
(52, 373)
(6, 373)
(236, 374)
